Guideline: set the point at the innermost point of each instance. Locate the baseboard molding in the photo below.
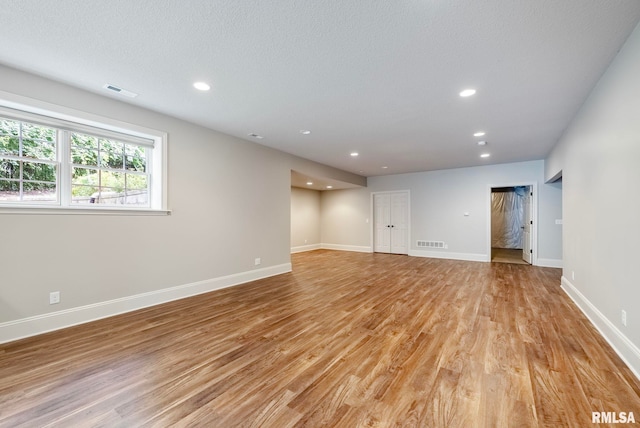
(303, 248)
(553, 263)
(471, 257)
(26, 327)
(340, 247)
(620, 343)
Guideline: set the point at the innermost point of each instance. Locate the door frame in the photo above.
(534, 217)
(372, 219)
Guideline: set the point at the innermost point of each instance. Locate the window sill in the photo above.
(41, 210)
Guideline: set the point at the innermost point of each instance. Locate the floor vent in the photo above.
(430, 244)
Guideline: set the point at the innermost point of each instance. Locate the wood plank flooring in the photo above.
(505, 255)
(346, 340)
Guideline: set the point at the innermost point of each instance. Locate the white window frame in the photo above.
(31, 110)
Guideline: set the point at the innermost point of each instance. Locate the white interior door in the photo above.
(400, 223)
(391, 222)
(382, 223)
(527, 252)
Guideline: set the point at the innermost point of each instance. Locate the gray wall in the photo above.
(344, 216)
(305, 218)
(230, 203)
(599, 159)
(439, 200)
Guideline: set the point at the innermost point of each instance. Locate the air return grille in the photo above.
(430, 244)
(119, 91)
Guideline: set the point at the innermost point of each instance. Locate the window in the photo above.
(54, 162)
(28, 162)
(109, 172)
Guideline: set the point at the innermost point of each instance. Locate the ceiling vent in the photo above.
(119, 91)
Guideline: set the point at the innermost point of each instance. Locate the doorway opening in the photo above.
(512, 223)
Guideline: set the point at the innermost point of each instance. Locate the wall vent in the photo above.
(430, 244)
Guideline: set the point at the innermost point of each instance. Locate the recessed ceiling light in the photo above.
(482, 143)
(329, 187)
(485, 155)
(305, 132)
(354, 154)
(309, 183)
(254, 135)
(385, 167)
(478, 134)
(467, 92)
(201, 86)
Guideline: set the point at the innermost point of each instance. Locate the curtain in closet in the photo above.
(506, 218)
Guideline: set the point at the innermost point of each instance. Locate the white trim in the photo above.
(26, 327)
(36, 106)
(625, 348)
(303, 248)
(54, 210)
(471, 257)
(553, 263)
(340, 247)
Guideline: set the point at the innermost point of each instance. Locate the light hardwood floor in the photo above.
(346, 340)
(505, 255)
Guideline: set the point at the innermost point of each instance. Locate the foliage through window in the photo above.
(108, 171)
(28, 162)
(62, 166)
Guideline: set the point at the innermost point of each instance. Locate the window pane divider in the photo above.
(64, 172)
(103, 168)
(28, 159)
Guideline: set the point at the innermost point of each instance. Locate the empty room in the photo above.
(319, 214)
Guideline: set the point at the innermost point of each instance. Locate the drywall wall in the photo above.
(344, 220)
(599, 159)
(305, 219)
(551, 243)
(229, 201)
(439, 201)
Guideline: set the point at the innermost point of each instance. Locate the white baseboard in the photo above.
(303, 248)
(471, 257)
(553, 263)
(26, 327)
(620, 343)
(340, 247)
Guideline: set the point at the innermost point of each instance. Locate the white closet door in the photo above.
(391, 222)
(382, 219)
(399, 223)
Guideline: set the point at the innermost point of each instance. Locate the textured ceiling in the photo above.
(379, 77)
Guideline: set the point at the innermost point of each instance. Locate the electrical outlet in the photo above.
(258, 261)
(54, 297)
(624, 318)
(573, 276)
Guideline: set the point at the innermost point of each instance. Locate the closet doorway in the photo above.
(512, 224)
(391, 222)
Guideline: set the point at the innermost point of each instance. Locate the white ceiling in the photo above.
(379, 77)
